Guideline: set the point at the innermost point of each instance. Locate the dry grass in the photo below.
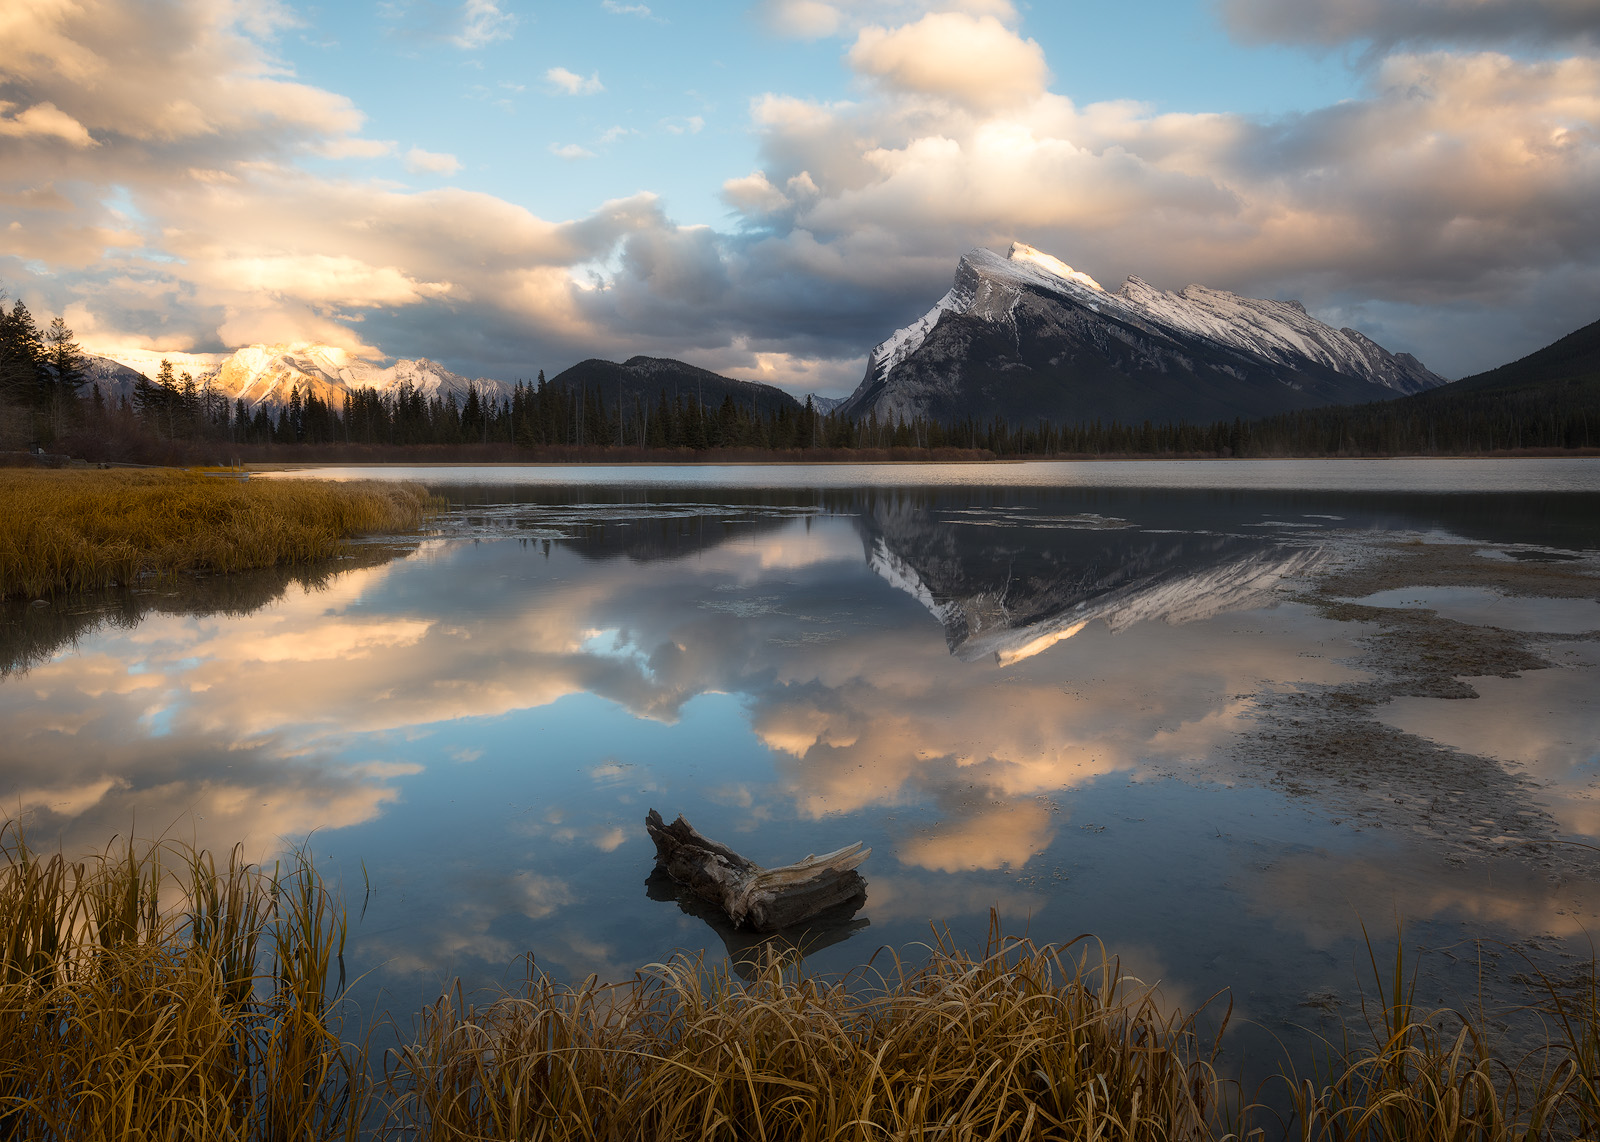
(149, 993)
(69, 531)
(146, 993)
(1023, 1043)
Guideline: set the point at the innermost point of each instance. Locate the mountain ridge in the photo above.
(1026, 336)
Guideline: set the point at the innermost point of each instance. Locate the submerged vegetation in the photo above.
(74, 530)
(149, 991)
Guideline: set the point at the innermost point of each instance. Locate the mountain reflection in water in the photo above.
(959, 677)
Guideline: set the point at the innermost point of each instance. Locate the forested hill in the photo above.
(1548, 399)
(645, 379)
(1572, 360)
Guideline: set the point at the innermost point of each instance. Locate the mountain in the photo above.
(114, 379)
(1573, 360)
(1026, 336)
(265, 374)
(646, 378)
(1549, 399)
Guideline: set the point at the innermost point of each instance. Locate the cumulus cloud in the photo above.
(571, 83)
(419, 161)
(977, 61)
(44, 119)
(612, 6)
(1389, 22)
(150, 180)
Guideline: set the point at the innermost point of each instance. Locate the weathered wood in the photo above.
(764, 899)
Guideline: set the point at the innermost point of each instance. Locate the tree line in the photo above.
(45, 397)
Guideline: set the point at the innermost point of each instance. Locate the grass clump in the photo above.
(64, 531)
(148, 993)
(1026, 1042)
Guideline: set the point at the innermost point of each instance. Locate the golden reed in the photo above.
(63, 531)
(148, 993)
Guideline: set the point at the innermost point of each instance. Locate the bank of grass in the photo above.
(65, 531)
(150, 992)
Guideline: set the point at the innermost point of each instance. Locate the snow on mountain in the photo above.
(1160, 332)
(1281, 331)
(268, 373)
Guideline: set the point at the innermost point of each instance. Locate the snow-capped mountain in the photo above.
(1026, 336)
(268, 373)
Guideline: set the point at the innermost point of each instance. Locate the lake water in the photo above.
(1042, 689)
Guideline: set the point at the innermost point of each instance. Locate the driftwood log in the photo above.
(764, 899)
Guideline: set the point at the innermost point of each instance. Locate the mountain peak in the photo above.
(1023, 253)
(1026, 336)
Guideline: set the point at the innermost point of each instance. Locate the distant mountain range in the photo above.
(1026, 337)
(1022, 338)
(266, 374)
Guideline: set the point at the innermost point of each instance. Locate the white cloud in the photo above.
(974, 60)
(612, 134)
(46, 120)
(612, 6)
(419, 161)
(571, 83)
(482, 23)
(693, 125)
(815, 19)
(571, 151)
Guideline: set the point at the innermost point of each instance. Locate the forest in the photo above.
(1548, 402)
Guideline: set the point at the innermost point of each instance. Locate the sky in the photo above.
(769, 188)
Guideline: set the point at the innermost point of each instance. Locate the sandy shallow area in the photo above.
(1501, 776)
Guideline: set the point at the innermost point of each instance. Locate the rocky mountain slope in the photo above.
(646, 378)
(1026, 336)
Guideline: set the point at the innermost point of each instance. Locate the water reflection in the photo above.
(965, 679)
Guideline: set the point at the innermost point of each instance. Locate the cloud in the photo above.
(1448, 210)
(815, 19)
(693, 125)
(419, 161)
(977, 61)
(1390, 22)
(571, 83)
(615, 8)
(44, 119)
(482, 23)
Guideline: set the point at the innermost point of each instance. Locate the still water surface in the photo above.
(1022, 686)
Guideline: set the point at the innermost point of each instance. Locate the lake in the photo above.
(1218, 715)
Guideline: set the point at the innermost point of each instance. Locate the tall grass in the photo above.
(70, 531)
(148, 993)
(1024, 1042)
(151, 991)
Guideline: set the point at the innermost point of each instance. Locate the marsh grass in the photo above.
(1023, 1042)
(73, 530)
(149, 993)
